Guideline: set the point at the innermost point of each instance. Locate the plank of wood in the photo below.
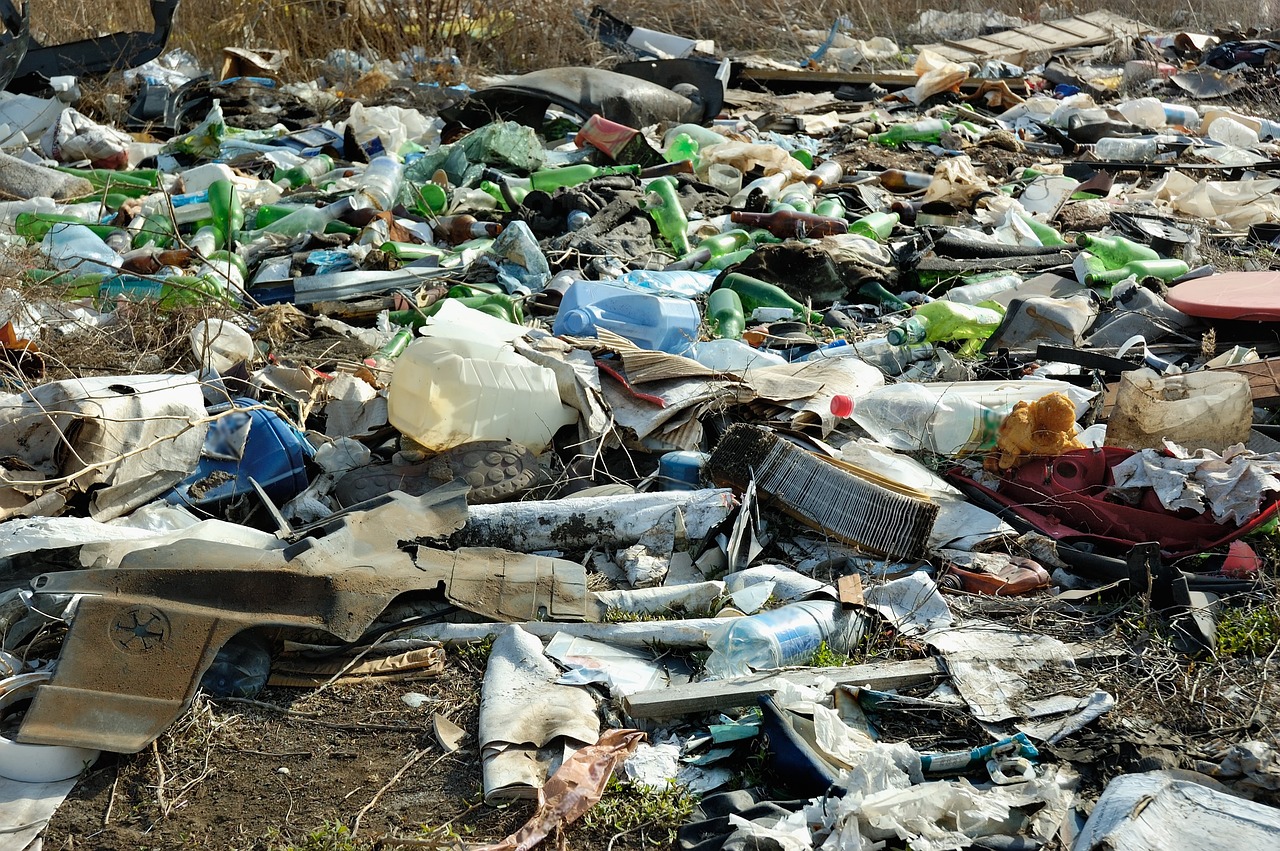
(1264, 379)
(889, 80)
(714, 695)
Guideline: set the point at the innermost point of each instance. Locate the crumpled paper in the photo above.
(1234, 483)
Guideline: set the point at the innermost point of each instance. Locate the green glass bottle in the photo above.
(156, 229)
(725, 315)
(724, 261)
(926, 130)
(682, 147)
(755, 293)
(1045, 233)
(884, 298)
(877, 226)
(721, 244)
(226, 213)
(304, 173)
(668, 214)
(938, 321)
(830, 206)
(1164, 269)
(1115, 251)
(412, 250)
(551, 179)
(34, 226)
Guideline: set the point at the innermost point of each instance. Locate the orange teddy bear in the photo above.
(1040, 429)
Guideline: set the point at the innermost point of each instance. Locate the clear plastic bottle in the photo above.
(1145, 112)
(75, 247)
(1137, 149)
(779, 637)
(980, 290)
(1231, 132)
(949, 419)
(877, 351)
(381, 181)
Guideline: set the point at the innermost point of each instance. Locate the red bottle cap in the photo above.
(842, 406)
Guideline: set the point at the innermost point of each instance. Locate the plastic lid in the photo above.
(842, 406)
(575, 322)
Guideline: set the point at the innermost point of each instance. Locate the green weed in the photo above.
(1249, 631)
(330, 836)
(825, 657)
(629, 807)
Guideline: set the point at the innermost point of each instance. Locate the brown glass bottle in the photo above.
(459, 229)
(789, 224)
(904, 182)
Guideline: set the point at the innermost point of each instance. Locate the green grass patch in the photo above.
(1249, 631)
(655, 814)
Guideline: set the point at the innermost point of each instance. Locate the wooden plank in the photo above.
(764, 76)
(715, 695)
(1264, 380)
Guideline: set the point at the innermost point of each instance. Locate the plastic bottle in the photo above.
(905, 182)
(1115, 251)
(755, 293)
(877, 226)
(704, 136)
(979, 288)
(1229, 131)
(462, 380)
(664, 208)
(1145, 112)
(947, 320)
(305, 173)
(682, 147)
(724, 314)
(381, 181)
(948, 419)
(926, 130)
(75, 247)
(1136, 149)
(682, 283)
(877, 351)
(791, 225)
(776, 638)
(728, 355)
(1164, 269)
(651, 322)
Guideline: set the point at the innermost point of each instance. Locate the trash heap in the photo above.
(587, 363)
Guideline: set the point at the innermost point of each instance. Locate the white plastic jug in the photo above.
(463, 381)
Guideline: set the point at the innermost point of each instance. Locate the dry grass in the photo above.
(514, 35)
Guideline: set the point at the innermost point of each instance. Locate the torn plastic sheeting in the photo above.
(692, 633)
(658, 766)
(527, 721)
(1235, 204)
(787, 584)
(990, 668)
(1161, 811)
(697, 596)
(1087, 711)
(25, 809)
(580, 524)
(624, 670)
(1234, 483)
(575, 788)
(912, 604)
(137, 435)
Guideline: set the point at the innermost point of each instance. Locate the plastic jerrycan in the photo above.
(463, 380)
(652, 322)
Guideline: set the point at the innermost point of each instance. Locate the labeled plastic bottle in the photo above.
(725, 315)
(1165, 269)
(777, 638)
(652, 322)
(949, 419)
(381, 181)
(928, 130)
(877, 226)
(663, 206)
(791, 225)
(755, 294)
(905, 182)
(1115, 251)
(947, 320)
(305, 173)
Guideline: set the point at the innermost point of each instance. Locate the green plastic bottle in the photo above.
(755, 293)
(1164, 269)
(1115, 251)
(877, 226)
(725, 315)
(938, 321)
(668, 214)
(926, 130)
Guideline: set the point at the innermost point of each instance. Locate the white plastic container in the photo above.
(1211, 409)
(463, 381)
(1229, 131)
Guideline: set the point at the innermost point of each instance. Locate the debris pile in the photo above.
(683, 396)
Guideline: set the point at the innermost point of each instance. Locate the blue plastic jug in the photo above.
(251, 444)
(651, 322)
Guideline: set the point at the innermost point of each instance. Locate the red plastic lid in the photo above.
(842, 406)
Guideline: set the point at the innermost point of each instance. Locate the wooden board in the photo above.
(1017, 45)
